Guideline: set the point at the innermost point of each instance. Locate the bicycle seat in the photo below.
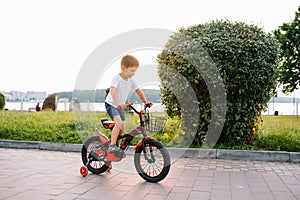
(108, 124)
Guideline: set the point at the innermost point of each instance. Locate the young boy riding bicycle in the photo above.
(122, 84)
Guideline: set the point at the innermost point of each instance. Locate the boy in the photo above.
(121, 86)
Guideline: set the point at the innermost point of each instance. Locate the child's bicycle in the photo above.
(151, 158)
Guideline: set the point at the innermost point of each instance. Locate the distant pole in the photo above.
(297, 106)
(273, 104)
(21, 103)
(294, 104)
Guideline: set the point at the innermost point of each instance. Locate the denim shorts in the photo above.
(112, 111)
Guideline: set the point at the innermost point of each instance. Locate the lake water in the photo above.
(62, 106)
(282, 108)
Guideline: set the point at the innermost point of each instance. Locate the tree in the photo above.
(288, 36)
(247, 59)
(2, 101)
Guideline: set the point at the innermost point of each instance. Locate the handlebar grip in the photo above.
(149, 105)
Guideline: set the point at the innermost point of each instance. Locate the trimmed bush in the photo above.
(247, 59)
(2, 101)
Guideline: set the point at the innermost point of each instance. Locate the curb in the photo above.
(50, 146)
(272, 156)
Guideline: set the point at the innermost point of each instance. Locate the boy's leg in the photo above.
(117, 129)
(119, 118)
(121, 132)
(121, 124)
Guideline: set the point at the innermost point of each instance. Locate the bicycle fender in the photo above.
(102, 137)
(140, 143)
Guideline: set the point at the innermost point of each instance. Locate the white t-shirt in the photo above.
(123, 89)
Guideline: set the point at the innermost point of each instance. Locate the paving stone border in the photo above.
(51, 146)
(279, 156)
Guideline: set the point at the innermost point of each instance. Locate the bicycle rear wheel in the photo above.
(154, 165)
(96, 166)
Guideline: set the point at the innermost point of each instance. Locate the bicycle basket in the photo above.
(155, 123)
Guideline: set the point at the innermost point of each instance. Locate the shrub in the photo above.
(170, 136)
(247, 59)
(2, 101)
(285, 140)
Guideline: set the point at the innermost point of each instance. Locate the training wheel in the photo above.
(83, 171)
(109, 168)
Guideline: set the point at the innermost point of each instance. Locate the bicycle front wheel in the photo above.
(154, 164)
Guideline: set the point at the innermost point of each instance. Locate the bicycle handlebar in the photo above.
(147, 105)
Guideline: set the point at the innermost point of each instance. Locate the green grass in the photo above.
(63, 127)
(41, 126)
(279, 133)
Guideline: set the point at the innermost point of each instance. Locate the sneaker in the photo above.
(113, 148)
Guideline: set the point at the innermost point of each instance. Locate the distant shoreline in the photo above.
(282, 108)
(64, 106)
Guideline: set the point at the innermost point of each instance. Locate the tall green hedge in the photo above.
(2, 101)
(247, 60)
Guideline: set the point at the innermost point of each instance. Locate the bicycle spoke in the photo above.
(94, 164)
(152, 169)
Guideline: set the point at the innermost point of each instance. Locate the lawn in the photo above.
(63, 127)
(38, 126)
(280, 133)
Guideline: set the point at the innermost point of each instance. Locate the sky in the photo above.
(43, 44)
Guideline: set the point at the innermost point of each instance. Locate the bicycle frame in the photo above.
(151, 159)
(111, 156)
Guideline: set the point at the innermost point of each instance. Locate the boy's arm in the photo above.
(140, 93)
(114, 95)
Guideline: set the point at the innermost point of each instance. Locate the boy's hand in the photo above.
(149, 105)
(123, 106)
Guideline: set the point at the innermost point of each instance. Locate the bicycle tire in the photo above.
(145, 168)
(96, 166)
